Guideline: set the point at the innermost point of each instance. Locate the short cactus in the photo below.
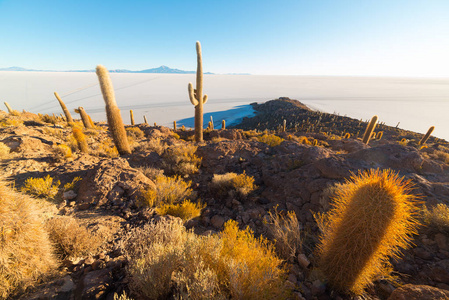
(426, 137)
(67, 114)
(379, 135)
(174, 125)
(196, 96)
(369, 130)
(131, 116)
(114, 117)
(80, 139)
(223, 124)
(85, 118)
(145, 119)
(373, 218)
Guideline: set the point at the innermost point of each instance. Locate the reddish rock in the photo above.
(419, 292)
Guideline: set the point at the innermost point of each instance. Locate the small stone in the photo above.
(69, 195)
(303, 260)
(441, 241)
(68, 284)
(89, 261)
(217, 221)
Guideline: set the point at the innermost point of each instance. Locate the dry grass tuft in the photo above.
(62, 152)
(169, 190)
(26, 252)
(437, 217)
(185, 210)
(166, 260)
(372, 219)
(41, 187)
(134, 132)
(285, 232)
(70, 238)
(232, 184)
(4, 151)
(181, 160)
(270, 139)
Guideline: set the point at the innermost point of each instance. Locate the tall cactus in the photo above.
(196, 96)
(115, 121)
(85, 118)
(426, 137)
(67, 114)
(369, 130)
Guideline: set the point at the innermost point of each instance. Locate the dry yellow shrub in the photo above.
(71, 239)
(26, 252)
(167, 259)
(372, 219)
(134, 132)
(285, 232)
(41, 187)
(185, 210)
(232, 184)
(270, 139)
(181, 159)
(169, 190)
(437, 217)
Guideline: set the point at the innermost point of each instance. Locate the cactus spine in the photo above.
(115, 121)
(64, 109)
(196, 96)
(131, 116)
(373, 219)
(223, 124)
(369, 130)
(426, 137)
(85, 118)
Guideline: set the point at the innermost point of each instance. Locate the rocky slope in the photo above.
(294, 176)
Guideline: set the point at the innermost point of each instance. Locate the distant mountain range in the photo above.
(161, 69)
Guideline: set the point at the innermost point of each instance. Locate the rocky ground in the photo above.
(296, 175)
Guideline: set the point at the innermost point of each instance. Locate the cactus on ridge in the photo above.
(174, 125)
(114, 117)
(145, 119)
(223, 124)
(369, 130)
(196, 96)
(64, 109)
(131, 116)
(426, 137)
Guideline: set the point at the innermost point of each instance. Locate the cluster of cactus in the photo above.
(87, 121)
(113, 115)
(196, 96)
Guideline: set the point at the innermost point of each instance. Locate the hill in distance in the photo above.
(161, 70)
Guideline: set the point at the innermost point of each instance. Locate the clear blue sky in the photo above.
(314, 37)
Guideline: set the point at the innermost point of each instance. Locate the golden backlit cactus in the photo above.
(347, 135)
(196, 96)
(145, 119)
(426, 137)
(80, 139)
(372, 219)
(223, 124)
(284, 126)
(369, 130)
(67, 114)
(85, 118)
(131, 116)
(174, 125)
(114, 117)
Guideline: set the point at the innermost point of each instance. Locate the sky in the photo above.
(315, 37)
